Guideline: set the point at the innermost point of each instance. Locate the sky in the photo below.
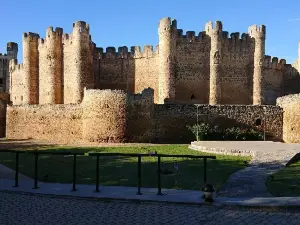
(134, 22)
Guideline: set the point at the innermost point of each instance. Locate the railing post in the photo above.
(204, 169)
(97, 174)
(158, 176)
(36, 158)
(74, 172)
(17, 171)
(139, 174)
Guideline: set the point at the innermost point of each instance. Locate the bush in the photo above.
(204, 131)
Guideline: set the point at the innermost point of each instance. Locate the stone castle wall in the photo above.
(212, 67)
(57, 123)
(291, 117)
(114, 116)
(171, 120)
(103, 116)
(129, 71)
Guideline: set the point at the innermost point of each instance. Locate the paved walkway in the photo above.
(268, 157)
(31, 209)
(130, 193)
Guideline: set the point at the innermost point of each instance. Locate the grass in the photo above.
(123, 171)
(285, 182)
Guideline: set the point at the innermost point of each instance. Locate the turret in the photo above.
(215, 34)
(31, 68)
(259, 36)
(50, 70)
(81, 61)
(166, 32)
(12, 50)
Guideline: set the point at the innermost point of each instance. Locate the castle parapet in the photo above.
(274, 63)
(123, 53)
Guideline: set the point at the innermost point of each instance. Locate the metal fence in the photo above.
(98, 155)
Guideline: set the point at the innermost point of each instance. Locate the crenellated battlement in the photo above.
(81, 26)
(12, 46)
(31, 36)
(123, 53)
(51, 35)
(14, 66)
(50, 32)
(274, 63)
(257, 31)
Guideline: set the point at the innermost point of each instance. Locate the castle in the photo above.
(67, 74)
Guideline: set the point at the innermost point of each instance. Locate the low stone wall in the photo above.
(114, 116)
(58, 123)
(291, 117)
(171, 120)
(103, 116)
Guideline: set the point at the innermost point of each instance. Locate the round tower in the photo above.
(104, 115)
(50, 69)
(31, 68)
(259, 36)
(82, 61)
(166, 82)
(12, 50)
(215, 61)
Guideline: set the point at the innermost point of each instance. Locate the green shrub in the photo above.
(203, 131)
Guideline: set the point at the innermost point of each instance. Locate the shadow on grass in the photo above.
(122, 171)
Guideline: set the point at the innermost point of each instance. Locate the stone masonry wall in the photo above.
(139, 116)
(192, 67)
(58, 123)
(291, 117)
(2, 117)
(171, 119)
(129, 71)
(17, 82)
(104, 115)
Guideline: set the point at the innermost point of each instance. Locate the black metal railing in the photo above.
(98, 155)
(139, 166)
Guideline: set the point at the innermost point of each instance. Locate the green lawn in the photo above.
(123, 171)
(286, 182)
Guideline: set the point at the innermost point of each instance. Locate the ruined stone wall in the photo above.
(17, 82)
(171, 119)
(51, 67)
(78, 62)
(114, 116)
(58, 123)
(104, 115)
(291, 117)
(139, 116)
